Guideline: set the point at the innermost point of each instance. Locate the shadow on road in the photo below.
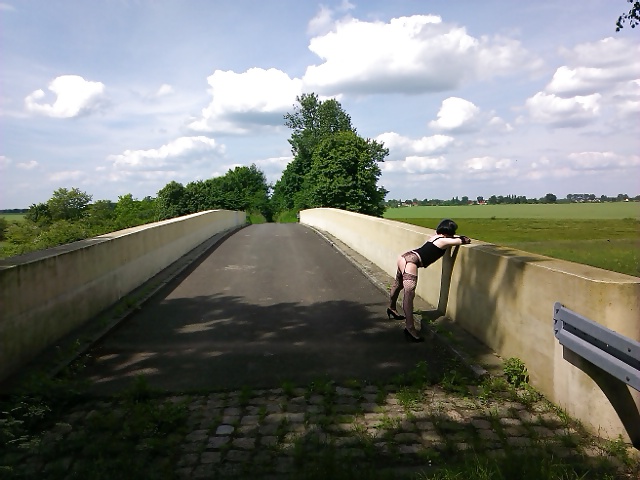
(222, 342)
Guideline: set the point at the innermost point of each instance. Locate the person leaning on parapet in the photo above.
(407, 274)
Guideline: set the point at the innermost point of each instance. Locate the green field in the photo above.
(11, 217)
(601, 235)
(574, 211)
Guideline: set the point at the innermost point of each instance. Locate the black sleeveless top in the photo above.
(429, 253)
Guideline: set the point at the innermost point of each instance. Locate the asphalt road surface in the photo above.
(272, 303)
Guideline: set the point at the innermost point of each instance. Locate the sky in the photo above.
(498, 97)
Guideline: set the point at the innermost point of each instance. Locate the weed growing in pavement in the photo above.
(618, 449)
(455, 382)
(492, 387)
(419, 376)
(262, 413)
(245, 395)
(409, 397)
(516, 372)
(282, 429)
(353, 384)
(528, 396)
(321, 386)
(288, 388)
(387, 423)
(381, 394)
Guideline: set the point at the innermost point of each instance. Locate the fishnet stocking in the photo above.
(409, 282)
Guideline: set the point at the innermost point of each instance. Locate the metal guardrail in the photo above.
(612, 352)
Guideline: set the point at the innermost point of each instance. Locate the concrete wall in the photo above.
(46, 294)
(505, 298)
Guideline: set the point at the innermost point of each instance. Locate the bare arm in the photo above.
(444, 242)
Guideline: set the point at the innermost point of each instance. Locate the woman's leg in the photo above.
(408, 276)
(397, 284)
(409, 283)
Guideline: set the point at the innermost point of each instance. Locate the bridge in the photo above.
(217, 305)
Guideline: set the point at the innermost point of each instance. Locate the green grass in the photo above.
(288, 216)
(254, 218)
(612, 244)
(575, 211)
(11, 217)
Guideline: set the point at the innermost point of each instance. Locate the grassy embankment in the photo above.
(605, 235)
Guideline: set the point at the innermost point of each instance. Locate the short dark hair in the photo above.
(447, 227)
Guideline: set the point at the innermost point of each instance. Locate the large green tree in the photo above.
(246, 189)
(129, 212)
(311, 121)
(38, 213)
(332, 165)
(344, 174)
(171, 201)
(68, 204)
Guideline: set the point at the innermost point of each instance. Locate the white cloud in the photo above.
(74, 96)
(489, 168)
(588, 80)
(174, 155)
(4, 162)
(607, 52)
(456, 114)
(413, 54)
(626, 99)
(602, 161)
(30, 165)
(599, 76)
(399, 145)
(5, 7)
(164, 89)
(324, 20)
(596, 67)
(487, 164)
(243, 102)
(273, 167)
(555, 111)
(415, 165)
(499, 124)
(68, 175)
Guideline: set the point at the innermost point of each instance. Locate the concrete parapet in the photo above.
(46, 294)
(505, 298)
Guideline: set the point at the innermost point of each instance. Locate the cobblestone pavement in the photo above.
(284, 432)
(388, 428)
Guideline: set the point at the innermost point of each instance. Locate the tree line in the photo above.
(70, 215)
(332, 166)
(511, 199)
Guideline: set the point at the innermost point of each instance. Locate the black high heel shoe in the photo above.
(409, 336)
(391, 313)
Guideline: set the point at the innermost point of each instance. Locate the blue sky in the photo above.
(471, 98)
